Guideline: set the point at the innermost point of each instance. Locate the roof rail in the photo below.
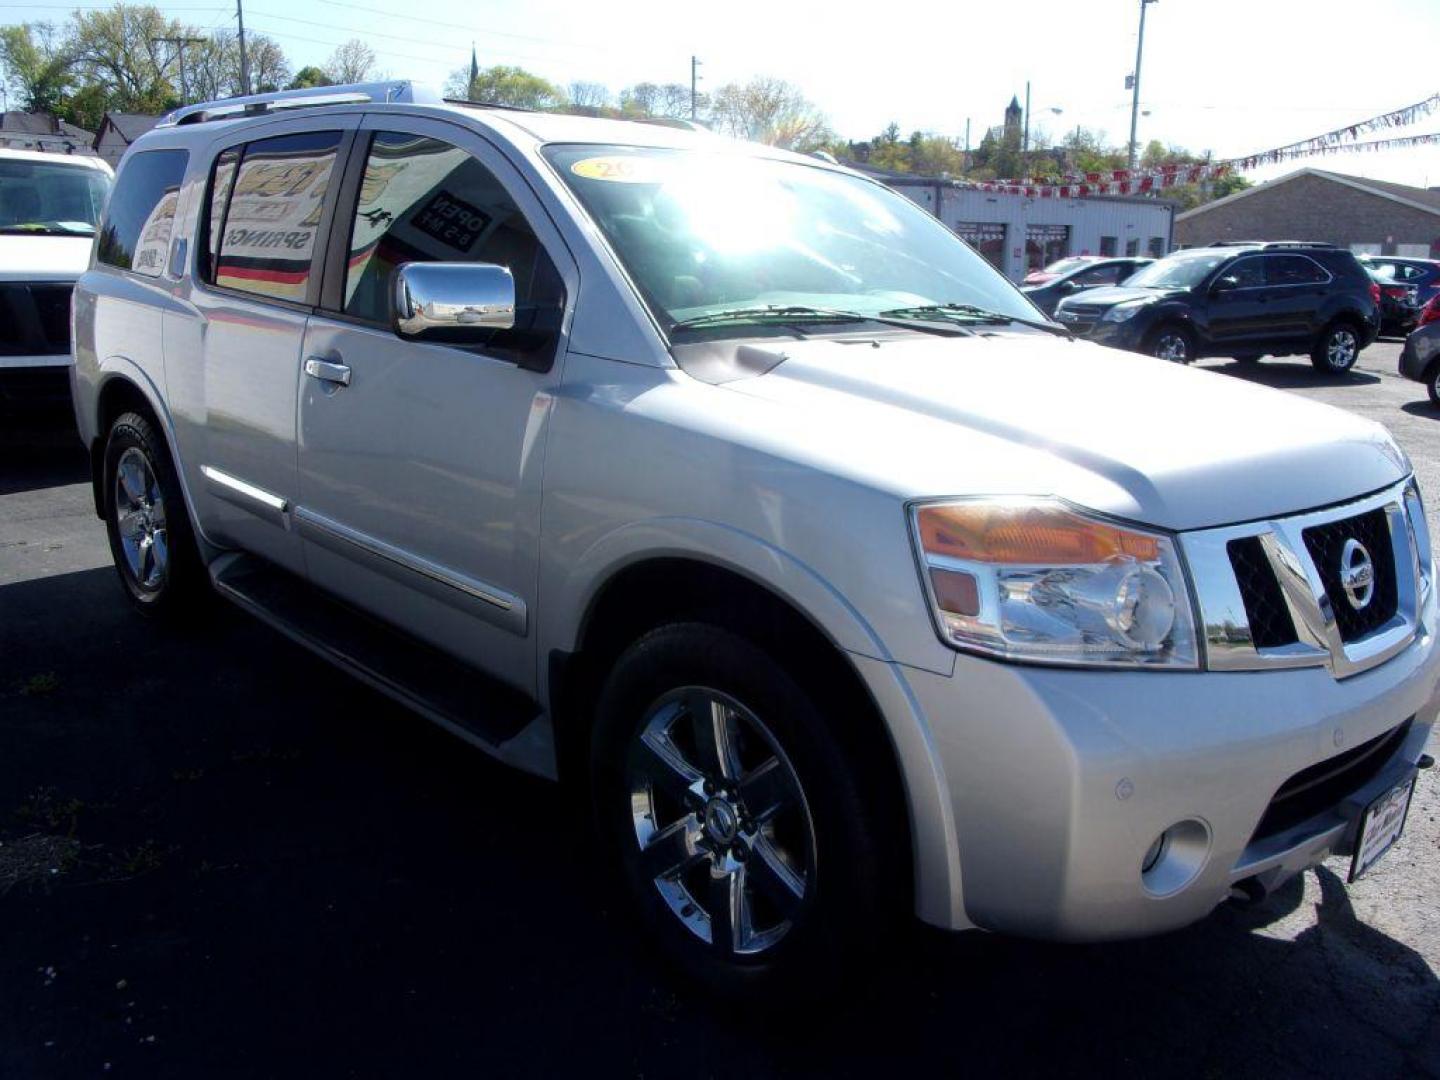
(309, 98)
(1268, 244)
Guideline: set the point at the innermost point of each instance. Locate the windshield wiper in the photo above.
(974, 314)
(790, 313)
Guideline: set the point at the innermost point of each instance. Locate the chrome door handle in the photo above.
(325, 371)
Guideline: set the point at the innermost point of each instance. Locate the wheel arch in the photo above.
(638, 593)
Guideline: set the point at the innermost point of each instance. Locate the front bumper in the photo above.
(1061, 780)
(1129, 334)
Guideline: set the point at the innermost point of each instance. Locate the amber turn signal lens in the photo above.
(1026, 533)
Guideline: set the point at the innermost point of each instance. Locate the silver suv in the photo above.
(731, 486)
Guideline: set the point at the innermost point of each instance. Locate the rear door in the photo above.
(1296, 286)
(269, 200)
(420, 465)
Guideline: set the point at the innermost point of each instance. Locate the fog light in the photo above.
(1176, 857)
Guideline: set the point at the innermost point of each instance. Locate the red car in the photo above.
(1060, 266)
(1430, 312)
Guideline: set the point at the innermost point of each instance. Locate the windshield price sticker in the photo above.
(620, 169)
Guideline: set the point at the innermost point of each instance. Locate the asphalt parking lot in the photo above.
(220, 857)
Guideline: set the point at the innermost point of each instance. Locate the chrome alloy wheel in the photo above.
(140, 520)
(1171, 345)
(1341, 348)
(721, 821)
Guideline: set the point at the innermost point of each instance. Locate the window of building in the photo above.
(1044, 244)
(272, 216)
(135, 234)
(424, 200)
(1132, 246)
(986, 237)
(1109, 246)
(1157, 247)
(1293, 270)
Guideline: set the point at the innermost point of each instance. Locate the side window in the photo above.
(1293, 270)
(267, 240)
(424, 200)
(1100, 275)
(1249, 273)
(135, 234)
(222, 180)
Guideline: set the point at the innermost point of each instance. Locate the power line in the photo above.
(409, 18)
(376, 33)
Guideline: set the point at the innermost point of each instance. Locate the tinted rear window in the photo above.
(135, 234)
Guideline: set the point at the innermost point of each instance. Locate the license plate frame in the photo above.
(1387, 814)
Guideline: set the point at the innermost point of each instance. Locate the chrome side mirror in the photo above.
(460, 303)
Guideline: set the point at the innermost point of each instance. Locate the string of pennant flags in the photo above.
(1139, 182)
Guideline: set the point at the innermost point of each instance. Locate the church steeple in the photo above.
(1014, 116)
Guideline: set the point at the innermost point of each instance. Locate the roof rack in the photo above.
(310, 98)
(1266, 245)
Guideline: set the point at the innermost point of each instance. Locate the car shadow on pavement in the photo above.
(1422, 408)
(33, 459)
(1292, 376)
(254, 865)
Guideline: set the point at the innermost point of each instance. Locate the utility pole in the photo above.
(1135, 79)
(967, 145)
(244, 57)
(180, 43)
(694, 93)
(1025, 139)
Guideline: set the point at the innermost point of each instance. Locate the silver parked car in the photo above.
(733, 486)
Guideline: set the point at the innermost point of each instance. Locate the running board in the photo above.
(465, 701)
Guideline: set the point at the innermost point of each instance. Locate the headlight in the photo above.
(1420, 536)
(1121, 312)
(1033, 579)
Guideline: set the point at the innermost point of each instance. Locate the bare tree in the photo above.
(352, 62)
(213, 69)
(588, 95)
(769, 110)
(656, 99)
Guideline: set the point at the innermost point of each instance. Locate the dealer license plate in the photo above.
(1382, 825)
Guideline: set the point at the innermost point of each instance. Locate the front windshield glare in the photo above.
(706, 232)
(51, 197)
(1183, 270)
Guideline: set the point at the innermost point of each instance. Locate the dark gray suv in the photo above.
(1244, 300)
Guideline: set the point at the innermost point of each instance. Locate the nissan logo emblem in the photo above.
(1357, 574)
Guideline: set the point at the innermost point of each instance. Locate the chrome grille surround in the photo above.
(1226, 629)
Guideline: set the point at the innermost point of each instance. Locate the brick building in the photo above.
(1367, 216)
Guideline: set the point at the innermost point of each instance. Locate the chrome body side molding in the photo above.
(244, 494)
(468, 594)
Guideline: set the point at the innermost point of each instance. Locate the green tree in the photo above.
(38, 70)
(121, 50)
(307, 77)
(503, 85)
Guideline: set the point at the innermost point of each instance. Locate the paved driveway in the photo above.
(223, 858)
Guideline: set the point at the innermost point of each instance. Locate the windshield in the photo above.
(1183, 270)
(705, 232)
(45, 197)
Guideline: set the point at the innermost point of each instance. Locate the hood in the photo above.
(1110, 295)
(1029, 414)
(43, 258)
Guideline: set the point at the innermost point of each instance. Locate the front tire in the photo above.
(151, 540)
(1337, 349)
(1172, 343)
(1432, 383)
(746, 837)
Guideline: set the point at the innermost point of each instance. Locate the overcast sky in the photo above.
(1231, 76)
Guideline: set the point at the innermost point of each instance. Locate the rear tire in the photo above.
(1337, 349)
(1172, 343)
(1432, 383)
(1249, 359)
(151, 539)
(760, 877)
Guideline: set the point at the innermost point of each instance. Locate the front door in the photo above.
(1237, 314)
(420, 464)
(257, 274)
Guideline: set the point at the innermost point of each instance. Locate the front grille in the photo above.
(1080, 317)
(1325, 785)
(1326, 544)
(35, 318)
(1270, 622)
